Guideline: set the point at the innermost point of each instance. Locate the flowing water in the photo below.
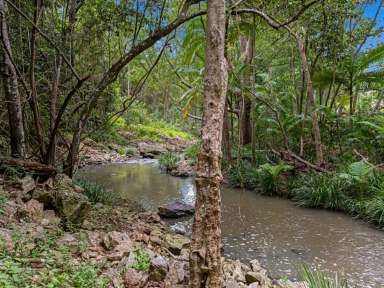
(273, 230)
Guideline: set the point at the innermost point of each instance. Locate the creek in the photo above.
(273, 230)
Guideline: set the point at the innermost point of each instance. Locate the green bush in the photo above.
(169, 160)
(142, 261)
(12, 172)
(244, 175)
(319, 190)
(131, 151)
(316, 279)
(192, 152)
(269, 176)
(155, 131)
(96, 193)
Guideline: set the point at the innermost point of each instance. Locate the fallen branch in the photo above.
(36, 168)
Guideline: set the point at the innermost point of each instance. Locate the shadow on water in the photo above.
(272, 230)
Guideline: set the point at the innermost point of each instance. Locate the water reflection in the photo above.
(273, 230)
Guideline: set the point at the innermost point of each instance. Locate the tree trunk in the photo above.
(67, 34)
(311, 102)
(227, 153)
(11, 89)
(205, 256)
(247, 48)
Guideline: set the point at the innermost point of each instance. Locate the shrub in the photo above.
(319, 190)
(192, 152)
(316, 279)
(168, 160)
(12, 172)
(269, 176)
(142, 260)
(131, 151)
(243, 175)
(96, 193)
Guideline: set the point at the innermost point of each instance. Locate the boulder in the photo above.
(135, 279)
(176, 209)
(150, 149)
(175, 243)
(44, 196)
(70, 205)
(183, 169)
(159, 269)
(32, 210)
(118, 242)
(69, 241)
(259, 277)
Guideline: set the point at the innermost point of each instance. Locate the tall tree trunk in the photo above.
(67, 35)
(205, 256)
(311, 102)
(33, 97)
(247, 48)
(11, 89)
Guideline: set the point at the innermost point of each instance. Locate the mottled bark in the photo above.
(205, 256)
(247, 47)
(11, 89)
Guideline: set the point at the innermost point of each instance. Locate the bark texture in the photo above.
(11, 89)
(205, 256)
(247, 48)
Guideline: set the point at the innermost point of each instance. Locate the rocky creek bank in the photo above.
(50, 233)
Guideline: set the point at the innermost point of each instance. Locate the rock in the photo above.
(69, 241)
(231, 283)
(50, 219)
(176, 209)
(44, 196)
(26, 184)
(177, 274)
(148, 149)
(159, 269)
(254, 285)
(255, 265)
(117, 241)
(72, 206)
(183, 169)
(32, 210)
(175, 243)
(259, 277)
(134, 279)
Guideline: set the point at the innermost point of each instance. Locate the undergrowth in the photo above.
(96, 193)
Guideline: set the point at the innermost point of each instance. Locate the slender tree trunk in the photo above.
(311, 102)
(205, 256)
(227, 154)
(67, 36)
(11, 89)
(33, 97)
(247, 47)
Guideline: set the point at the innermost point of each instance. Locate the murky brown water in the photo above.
(272, 230)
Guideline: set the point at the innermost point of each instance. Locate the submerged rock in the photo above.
(176, 209)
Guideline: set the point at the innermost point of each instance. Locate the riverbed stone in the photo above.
(159, 268)
(135, 279)
(175, 242)
(176, 209)
(148, 149)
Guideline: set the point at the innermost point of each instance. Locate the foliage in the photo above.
(269, 176)
(86, 276)
(157, 131)
(12, 172)
(96, 193)
(191, 153)
(315, 190)
(142, 260)
(3, 201)
(169, 160)
(316, 279)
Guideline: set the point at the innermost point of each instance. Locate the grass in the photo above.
(316, 279)
(96, 193)
(168, 160)
(192, 152)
